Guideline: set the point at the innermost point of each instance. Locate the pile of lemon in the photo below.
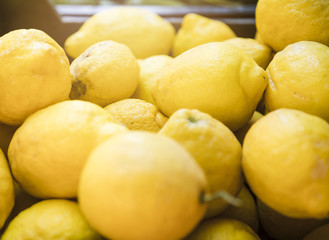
(153, 133)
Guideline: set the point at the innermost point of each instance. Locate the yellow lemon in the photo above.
(216, 78)
(34, 74)
(144, 32)
(223, 229)
(53, 219)
(150, 69)
(299, 79)
(105, 73)
(320, 233)
(137, 114)
(6, 133)
(215, 149)
(196, 30)
(49, 149)
(246, 213)
(140, 185)
(285, 163)
(241, 132)
(261, 53)
(6, 190)
(283, 22)
(282, 227)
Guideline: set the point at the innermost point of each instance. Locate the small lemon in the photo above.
(299, 79)
(105, 73)
(223, 229)
(53, 219)
(282, 227)
(150, 68)
(241, 132)
(283, 22)
(196, 30)
(285, 162)
(137, 114)
(261, 53)
(215, 149)
(49, 149)
(320, 233)
(140, 185)
(143, 31)
(7, 194)
(246, 213)
(34, 73)
(216, 78)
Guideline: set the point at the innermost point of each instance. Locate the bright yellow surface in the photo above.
(216, 78)
(140, 185)
(137, 114)
(285, 161)
(282, 22)
(35, 74)
(48, 151)
(144, 32)
(215, 149)
(299, 79)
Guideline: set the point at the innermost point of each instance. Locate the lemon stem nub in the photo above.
(223, 195)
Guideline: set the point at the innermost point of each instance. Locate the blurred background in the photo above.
(61, 18)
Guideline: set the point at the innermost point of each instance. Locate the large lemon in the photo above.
(52, 219)
(140, 185)
(49, 149)
(216, 78)
(214, 147)
(143, 31)
(285, 161)
(282, 22)
(299, 79)
(34, 74)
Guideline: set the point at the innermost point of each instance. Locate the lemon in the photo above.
(140, 185)
(6, 133)
(150, 68)
(53, 219)
(261, 53)
(49, 149)
(216, 78)
(283, 22)
(223, 229)
(285, 163)
(320, 233)
(299, 79)
(137, 114)
(282, 227)
(143, 31)
(196, 30)
(34, 74)
(214, 147)
(241, 132)
(246, 213)
(6, 190)
(105, 73)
